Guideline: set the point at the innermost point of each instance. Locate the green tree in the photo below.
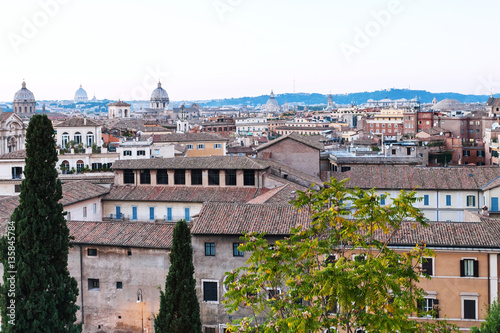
(492, 323)
(336, 272)
(179, 308)
(41, 296)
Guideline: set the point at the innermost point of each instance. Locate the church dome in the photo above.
(450, 105)
(159, 94)
(272, 102)
(81, 95)
(24, 95)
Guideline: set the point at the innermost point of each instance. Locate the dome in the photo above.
(24, 95)
(449, 105)
(81, 93)
(272, 102)
(159, 94)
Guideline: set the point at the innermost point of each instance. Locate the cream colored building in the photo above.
(118, 110)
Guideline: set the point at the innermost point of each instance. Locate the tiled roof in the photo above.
(236, 219)
(493, 101)
(73, 192)
(494, 183)
(449, 234)
(77, 191)
(182, 193)
(119, 103)
(15, 155)
(127, 234)
(188, 137)
(293, 174)
(77, 122)
(410, 177)
(312, 141)
(204, 162)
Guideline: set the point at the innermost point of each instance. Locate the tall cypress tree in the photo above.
(179, 307)
(35, 251)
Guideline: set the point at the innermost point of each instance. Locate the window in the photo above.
(78, 138)
(249, 178)
(17, 172)
(118, 212)
(162, 177)
(119, 285)
(466, 153)
(157, 152)
(96, 166)
(428, 307)
(187, 214)
(469, 307)
(141, 153)
(209, 329)
(90, 139)
(428, 266)
(94, 208)
(382, 199)
(80, 166)
(145, 177)
(65, 140)
(92, 252)
(230, 177)
(200, 146)
(196, 177)
(471, 201)
(128, 177)
(65, 167)
(169, 213)
(127, 153)
(180, 177)
(448, 200)
(236, 252)
(84, 212)
(469, 267)
(189, 147)
(481, 153)
(217, 145)
(273, 293)
(210, 291)
(151, 213)
(134, 213)
(213, 177)
(93, 284)
(209, 249)
(426, 200)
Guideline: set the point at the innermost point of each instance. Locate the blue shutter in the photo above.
(448, 200)
(187, 216)
(169, 213)
(382, 200)
(494, 204)
(151, 213)
(118, 212)
(134, 213)
(426, 200)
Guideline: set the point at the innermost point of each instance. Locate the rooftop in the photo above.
(77, 122)
(188, 137)
(15, 155)
(312, 141)
(182, 193)
(204, 162)
(236, 219)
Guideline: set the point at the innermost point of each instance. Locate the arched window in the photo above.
(65, 140)
(80, 166)
(31, 110)
(78, 137)
(25, 109)
(90, 139)
(120, 113)
(65, 167)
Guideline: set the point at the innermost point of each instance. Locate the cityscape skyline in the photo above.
(222, 49)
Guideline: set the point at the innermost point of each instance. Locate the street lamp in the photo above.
(139, 300)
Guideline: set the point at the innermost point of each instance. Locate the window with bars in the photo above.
(210, 291)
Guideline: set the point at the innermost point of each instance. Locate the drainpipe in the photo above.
(437, 206)
(81, 281)
(489, 287)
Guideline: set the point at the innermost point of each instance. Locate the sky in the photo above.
(205, 49)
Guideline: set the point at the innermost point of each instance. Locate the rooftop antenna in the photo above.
(294, 85)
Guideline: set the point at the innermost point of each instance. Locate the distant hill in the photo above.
(356, 98)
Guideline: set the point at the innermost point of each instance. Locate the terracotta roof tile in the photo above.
(408, 177)
(15, 155)
(78, 122)
(312, 141)
(182, 193)
(236, 219)
(188, 137)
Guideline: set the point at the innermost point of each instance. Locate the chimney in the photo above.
(84, 121)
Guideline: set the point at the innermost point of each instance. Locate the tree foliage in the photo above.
(179, 308)
(38, 294)
(337, 272)
(492, 323)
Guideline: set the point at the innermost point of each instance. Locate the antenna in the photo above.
(294, 85)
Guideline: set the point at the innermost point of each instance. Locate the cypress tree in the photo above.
(35, 251)
(179, 308)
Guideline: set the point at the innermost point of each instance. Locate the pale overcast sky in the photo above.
(203, 49)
